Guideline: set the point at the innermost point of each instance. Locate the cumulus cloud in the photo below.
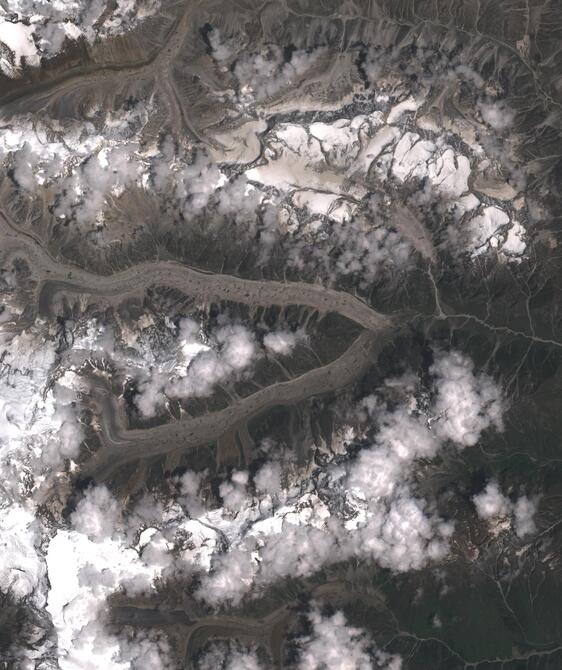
(298, 550)
(86, 191)
(40, 418)
(496, 114)
(268, 479)
(262, 543)
(196, 183)
(524, 512)
(467, 403)
(378, 470)
(230, 580)
(202, 361)
(199, 186)
(145, 650)
(66, 416)
(386, 522)
(288, 531)
(491, 504)
(400, 534)
(293, 540)
(234, 350)
(376, 473)
(239, 200)
(32, 29)
(97, 515)
(262, 75)
(233, 492)
(22, 569)
(92, 167)
(310, 187)
(397, 532)
(87, 562)
(222, 48)
(190, 482)
(88, 166)
(357, 247)
(230, 350)
(229, 655)
(333, 643)
(282, 342)
(236, 555)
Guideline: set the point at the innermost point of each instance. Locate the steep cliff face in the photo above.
(280, 335)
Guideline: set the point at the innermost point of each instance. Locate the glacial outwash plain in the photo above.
(280, 335)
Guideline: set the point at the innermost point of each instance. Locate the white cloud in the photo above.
(87, 563)
(492, 503)
(222, 49)
(401, 535)
(97, 515)
(19, 39)
(235, 350)
(151, 396)
(239, 200)
(282, 341)
(262, 75)
(333, 643)
(190, 482)
(268, 479)
(231, 578)
(387, 523)
(234, 492)
(41, 26)
(196, 183)
(352, 248)
(66, 440)
(524, 512)
(310, 189)
(376, 473)
(145, 650)
(39, 418)
(466, 403)
(22, 569)
(291, 531)
(496, 114)
(298, 551)
(92, 167)
(229, 655)
(87, 166)
(228, 353)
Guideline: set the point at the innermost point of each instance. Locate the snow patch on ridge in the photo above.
(32, 29)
